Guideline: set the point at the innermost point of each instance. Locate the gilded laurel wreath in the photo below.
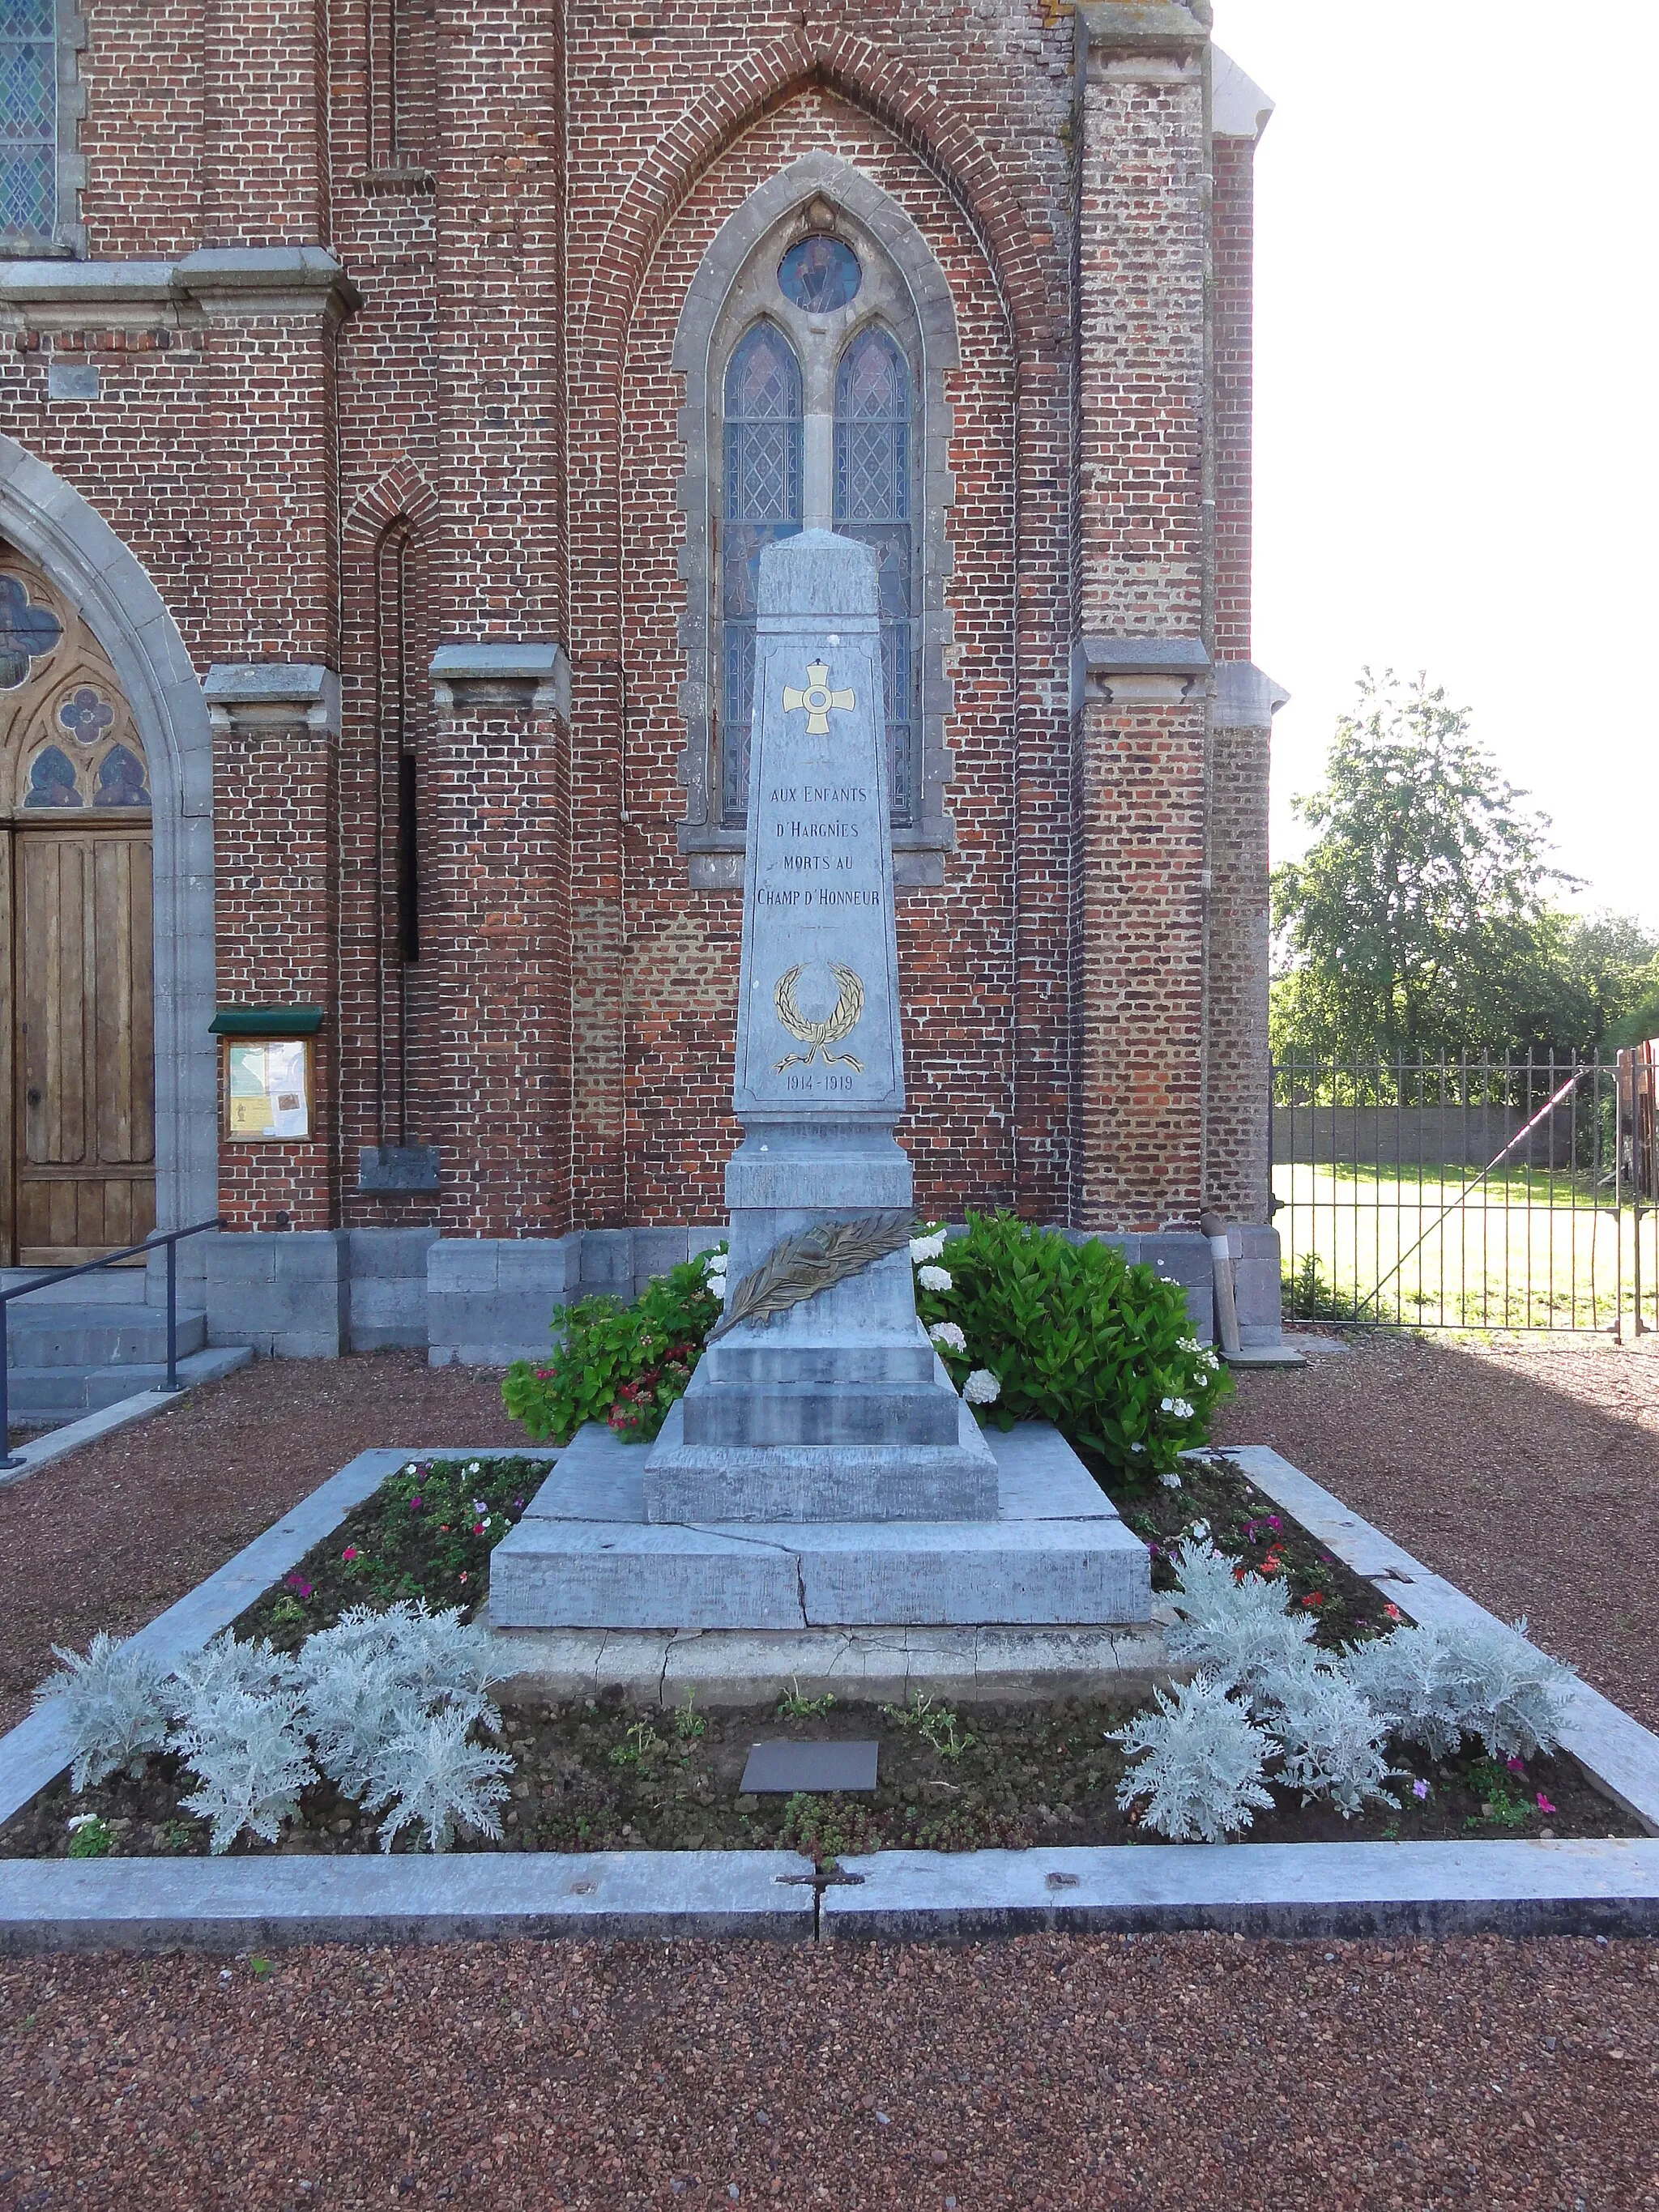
(818, 1037)
(798, 1267)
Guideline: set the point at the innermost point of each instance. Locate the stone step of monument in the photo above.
(822, 1413)
(41, 1332)
(584, 1557)
(124, 1285)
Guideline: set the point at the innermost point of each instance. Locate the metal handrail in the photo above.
(168, 1239)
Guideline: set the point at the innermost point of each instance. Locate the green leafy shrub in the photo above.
(1071, 1333)
(623, 1364)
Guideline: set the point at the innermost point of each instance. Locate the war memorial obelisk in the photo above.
(837, 1408)
(821, 1472)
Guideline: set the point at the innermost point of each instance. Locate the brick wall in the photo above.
(498, 419)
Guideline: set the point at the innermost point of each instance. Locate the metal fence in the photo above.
(1469, 1193)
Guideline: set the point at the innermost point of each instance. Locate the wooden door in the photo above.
(83, 1056)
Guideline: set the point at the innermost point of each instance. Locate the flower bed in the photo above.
(602, 1776)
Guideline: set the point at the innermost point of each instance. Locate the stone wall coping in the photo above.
(531, 674)
(1139, 656)
(1141, 27)
(272, 691)
(1239, 106)
(244, 279)
(1246, 696)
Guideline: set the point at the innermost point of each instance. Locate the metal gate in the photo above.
(1469, 1193)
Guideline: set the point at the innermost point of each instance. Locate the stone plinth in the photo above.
(1053, 1552)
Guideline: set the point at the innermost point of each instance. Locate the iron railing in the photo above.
(169, 1238)
(1468, 1192)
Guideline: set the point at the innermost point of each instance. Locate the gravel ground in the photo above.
(1191, 2072)
(1181, 2073)
(1528, 1474)
(110, 1535)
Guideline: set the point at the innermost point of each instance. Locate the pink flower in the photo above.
(1516, 1765)
(350, 1552)
(464, 1574)
(1544, 1804)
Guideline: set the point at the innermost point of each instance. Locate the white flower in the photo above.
(475, 1466)
(714, 1264)
(927, 1248)
(1170, 1481)
(1199, 1531)
(1190, 1344)
(716, 1286)
(947, 1334)
(981, 1387)
(1179, 1407)
(1135, 1448)
(934, 1278)
(83, 1820)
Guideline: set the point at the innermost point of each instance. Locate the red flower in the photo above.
(1394, 1613)
(1313, 1598)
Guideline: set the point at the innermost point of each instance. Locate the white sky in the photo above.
(1455, 456)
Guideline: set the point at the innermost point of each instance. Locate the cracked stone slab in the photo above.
(583, 1556)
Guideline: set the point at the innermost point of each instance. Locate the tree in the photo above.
(1420, 920)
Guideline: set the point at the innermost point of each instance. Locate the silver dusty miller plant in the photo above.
(1434, 1685)
(1200, 1760)
(249, 1754)
(1329, 1739)
(1234, 1625)
(441, 1778)
(116, 1703)
(375, 1685)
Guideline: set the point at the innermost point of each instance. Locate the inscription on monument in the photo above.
(818, 1014)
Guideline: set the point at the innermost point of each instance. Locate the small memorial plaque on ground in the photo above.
(785, 1767)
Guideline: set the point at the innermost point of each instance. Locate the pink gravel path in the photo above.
(1188, 2075)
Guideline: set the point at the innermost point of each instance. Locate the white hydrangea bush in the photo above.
(1200, 1764)
(116, 1704)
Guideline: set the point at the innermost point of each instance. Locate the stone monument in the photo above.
(836, 1408)
(820, 1472)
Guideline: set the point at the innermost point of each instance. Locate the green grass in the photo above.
(1521, 1250)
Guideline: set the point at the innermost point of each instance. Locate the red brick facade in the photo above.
(457, 420)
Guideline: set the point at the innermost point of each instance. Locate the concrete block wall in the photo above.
(388, 1294)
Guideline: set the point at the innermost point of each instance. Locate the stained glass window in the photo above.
(762, 505)
(121, 780)
(873, 504)
(85, 716)
(28, 116)
(820, 275)
(51, 780)
(27, 633)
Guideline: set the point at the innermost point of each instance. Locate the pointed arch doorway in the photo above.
(77, 1069)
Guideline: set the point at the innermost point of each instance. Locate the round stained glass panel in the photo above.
(820, 275)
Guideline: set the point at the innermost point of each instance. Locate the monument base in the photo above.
(833, 1483)
(583, 1556)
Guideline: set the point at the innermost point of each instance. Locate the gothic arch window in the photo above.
(816, 430)
(815, 340)
(760, 472)
(40, 104)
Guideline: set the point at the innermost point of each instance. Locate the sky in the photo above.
(1455, 454)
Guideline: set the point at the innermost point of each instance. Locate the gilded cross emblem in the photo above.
(818, 699)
